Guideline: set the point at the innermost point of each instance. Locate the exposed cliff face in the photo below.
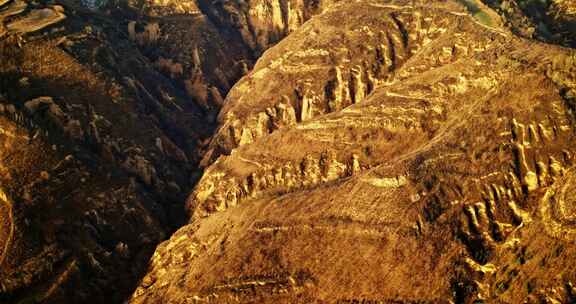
(324, 69)
(392, 151)
(106, 108)
(262, 23)
(408, 152)
(188, 48)
(226, 38)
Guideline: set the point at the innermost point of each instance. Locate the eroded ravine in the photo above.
(396, 151)
(105, 108)
(437, 175)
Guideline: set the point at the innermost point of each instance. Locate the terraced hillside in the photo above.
(386, 151)
(105, 111)
(287, 151)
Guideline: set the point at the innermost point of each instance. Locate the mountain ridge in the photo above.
(293, 151)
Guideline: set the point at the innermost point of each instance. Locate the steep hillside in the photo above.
(99, 151)
(551, 21)
(304, 151)
(388, 152)
(105, 110)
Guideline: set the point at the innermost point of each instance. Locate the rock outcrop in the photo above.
(227, 37)
(34, 20)
(337, 73)
(263, 23)
(97, 152)
(386, 151)
(367, 151)
(551, 21)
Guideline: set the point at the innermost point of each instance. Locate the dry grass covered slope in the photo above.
(105, 110)
(390, 152)
(394, 151)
